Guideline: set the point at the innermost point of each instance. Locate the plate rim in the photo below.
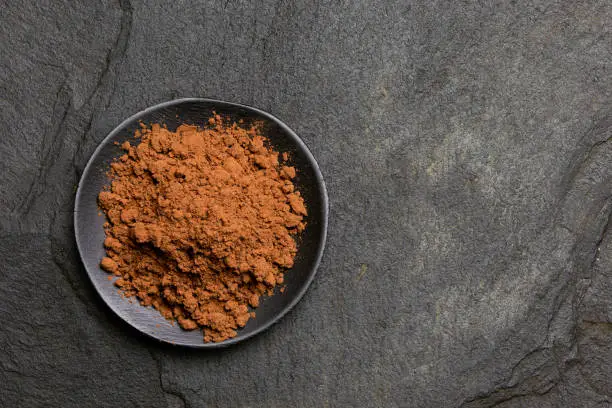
(320, 246)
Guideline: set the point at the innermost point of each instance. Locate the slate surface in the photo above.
(467, 156)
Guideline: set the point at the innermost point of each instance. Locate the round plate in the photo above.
(90, 234)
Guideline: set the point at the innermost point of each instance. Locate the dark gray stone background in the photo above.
(466, 149)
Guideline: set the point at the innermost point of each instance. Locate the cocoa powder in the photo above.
(201, 223)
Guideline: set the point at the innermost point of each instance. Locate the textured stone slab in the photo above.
(466, 152)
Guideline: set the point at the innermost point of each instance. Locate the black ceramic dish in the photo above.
(90, 233)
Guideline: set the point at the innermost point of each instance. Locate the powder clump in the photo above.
(201, 223)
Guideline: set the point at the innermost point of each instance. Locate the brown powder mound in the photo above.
(201, 223)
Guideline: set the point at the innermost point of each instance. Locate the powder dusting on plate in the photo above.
(201, 222)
